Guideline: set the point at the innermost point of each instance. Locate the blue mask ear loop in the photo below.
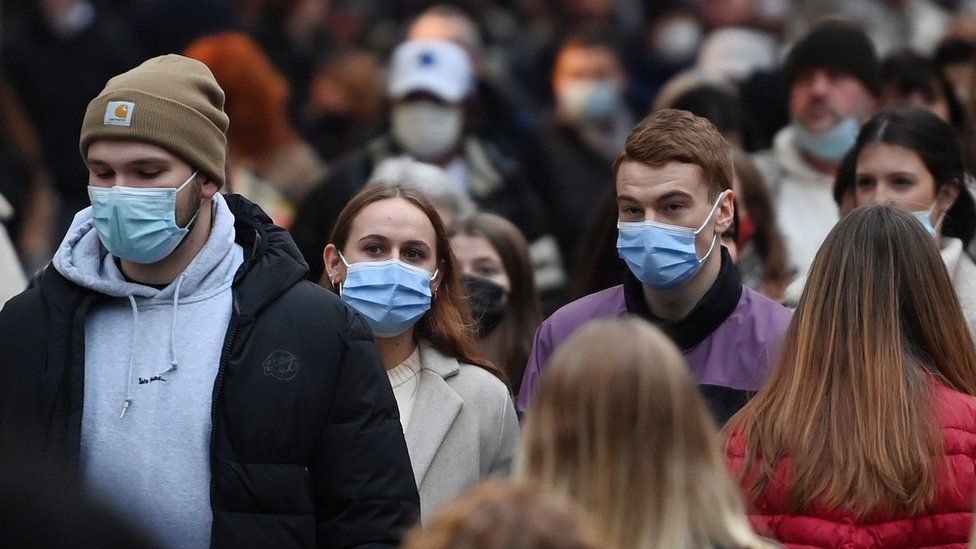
(707, 219)
(189, 224)
(344, 262)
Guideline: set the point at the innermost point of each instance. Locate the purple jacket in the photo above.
(729, 364)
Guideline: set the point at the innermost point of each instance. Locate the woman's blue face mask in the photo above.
(391, 295)
(663, 256)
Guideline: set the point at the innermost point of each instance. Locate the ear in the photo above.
(438, 278)
(210, 188)
(334, 267)
(946, 197)
(725, 212)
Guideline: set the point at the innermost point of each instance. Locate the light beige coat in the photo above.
(462, 429)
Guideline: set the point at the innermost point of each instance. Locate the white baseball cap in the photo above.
(439, 68)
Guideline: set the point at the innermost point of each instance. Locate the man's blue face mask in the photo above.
(830, 145)
(660, 255)
(391, 295)
(138, 224)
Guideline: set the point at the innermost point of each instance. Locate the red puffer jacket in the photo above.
(946, 523)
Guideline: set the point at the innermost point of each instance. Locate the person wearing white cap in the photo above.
(429, 81)
(431, 86)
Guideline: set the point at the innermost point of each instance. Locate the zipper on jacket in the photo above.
(224, 358)
(79, 307)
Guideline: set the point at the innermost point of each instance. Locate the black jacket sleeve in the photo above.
(366, 495)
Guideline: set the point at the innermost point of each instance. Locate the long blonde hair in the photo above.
(619, 426)
(850, 399)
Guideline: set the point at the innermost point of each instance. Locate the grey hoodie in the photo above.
(151, 357)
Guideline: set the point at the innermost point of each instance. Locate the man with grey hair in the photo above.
(432, 181)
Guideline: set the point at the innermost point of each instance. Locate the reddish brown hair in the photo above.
(849, 401)
(447, 325)
(257, 94)
(496, 514)
(671, 135)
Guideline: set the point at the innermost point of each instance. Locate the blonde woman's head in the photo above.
(619, 426)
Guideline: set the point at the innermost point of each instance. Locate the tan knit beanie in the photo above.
(170, 101)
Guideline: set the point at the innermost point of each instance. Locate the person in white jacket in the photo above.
(833, 80)
(12, 279)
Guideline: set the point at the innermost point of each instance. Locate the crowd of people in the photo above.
(604, 273)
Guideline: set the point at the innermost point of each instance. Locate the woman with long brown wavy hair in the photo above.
(390, 259)
(865, 433)
(619, 426)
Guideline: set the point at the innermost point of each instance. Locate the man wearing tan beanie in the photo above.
(174, 359)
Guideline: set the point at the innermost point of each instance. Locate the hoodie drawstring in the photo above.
(173, 364)
(132, 356)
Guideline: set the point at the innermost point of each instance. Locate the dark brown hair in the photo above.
(447, 325)
(849, 401)
(767, 238)
(508, 345)
(670, 135)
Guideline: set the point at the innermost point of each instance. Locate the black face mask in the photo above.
(487, 302)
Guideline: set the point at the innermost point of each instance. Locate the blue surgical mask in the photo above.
(925, 217)
(662, 256)
(829, 145)
(589, 100)
(391, 295)
(136, 224)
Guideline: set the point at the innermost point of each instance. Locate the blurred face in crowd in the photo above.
(936, 104)
(587, 82)
(896, 175)
(479, 258)
(394, 228)
(426, 127)
(820, 98)
(458, 30)
(674, 194)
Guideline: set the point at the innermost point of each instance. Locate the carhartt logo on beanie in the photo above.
(838, 45)
(170, 101)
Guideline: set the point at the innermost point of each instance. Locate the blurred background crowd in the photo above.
(558, 84)
(508, 116)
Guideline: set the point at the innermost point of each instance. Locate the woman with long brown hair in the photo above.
(390, 259)
(619, 426)
(498, 276)
(865, 433)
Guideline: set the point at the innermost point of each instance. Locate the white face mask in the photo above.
(426, 129)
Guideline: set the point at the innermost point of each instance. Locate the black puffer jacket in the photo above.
(306, 445)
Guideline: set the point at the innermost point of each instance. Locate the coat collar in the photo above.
(712, 310)
(434, 411)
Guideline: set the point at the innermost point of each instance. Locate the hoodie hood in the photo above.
(267, 264)
(82, 259)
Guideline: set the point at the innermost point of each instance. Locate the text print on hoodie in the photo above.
(151, 357)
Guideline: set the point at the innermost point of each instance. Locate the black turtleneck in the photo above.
(709, 313)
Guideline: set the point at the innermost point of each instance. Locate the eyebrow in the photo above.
(677, 193)
(674, 194)
(381, 238)
(418, 243)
